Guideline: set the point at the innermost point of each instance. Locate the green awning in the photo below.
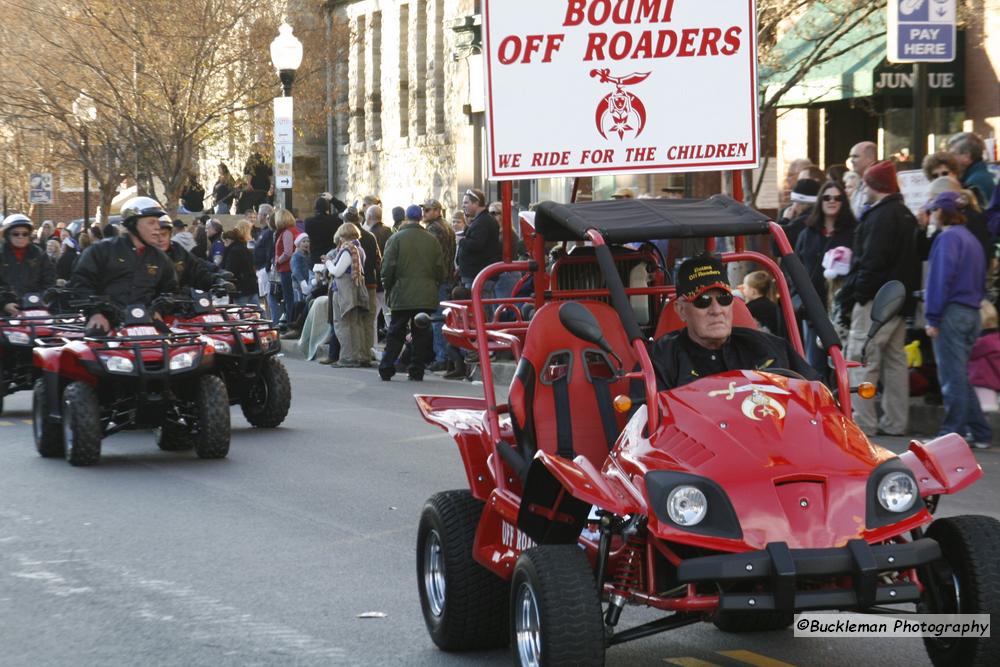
(846, 76)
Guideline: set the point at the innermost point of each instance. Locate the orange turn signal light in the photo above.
(866, 390)
(622, 403)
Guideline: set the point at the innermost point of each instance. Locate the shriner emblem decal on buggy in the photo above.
(620, 112)
(758, 404)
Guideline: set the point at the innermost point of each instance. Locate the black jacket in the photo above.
(35, 274)
(191, 271)
(382, 234)
(813, 245)
(263, 251)
(114, 269)
(321, 228)
(373, 259)
(678, 360)
(884, 249)
(66, 262)
(238, 260)
(480, 246)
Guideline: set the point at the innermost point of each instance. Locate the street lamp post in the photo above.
(286, 56)
(85, 112)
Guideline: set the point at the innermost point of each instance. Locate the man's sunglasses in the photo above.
(833, 198)
(705, 300)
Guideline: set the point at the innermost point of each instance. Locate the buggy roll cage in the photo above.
(605, 222)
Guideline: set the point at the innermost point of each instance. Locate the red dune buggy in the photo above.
(738, 499)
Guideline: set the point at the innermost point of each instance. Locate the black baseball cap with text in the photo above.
(696, 275)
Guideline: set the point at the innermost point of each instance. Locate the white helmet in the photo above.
(16, 220)
(140, 207)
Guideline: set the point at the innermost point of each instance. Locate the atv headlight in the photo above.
(179, 362)
(897, 492)
(115, 364)
(687, 505)
(222, 347)
(18, 338)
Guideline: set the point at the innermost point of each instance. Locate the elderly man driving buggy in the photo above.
(709, 344)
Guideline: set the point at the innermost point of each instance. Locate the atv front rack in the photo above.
(777, 571)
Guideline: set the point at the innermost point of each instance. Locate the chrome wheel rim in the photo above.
(434, 576)
(527, 627)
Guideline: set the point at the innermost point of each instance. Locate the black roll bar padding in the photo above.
(617, 290)
(815, 310)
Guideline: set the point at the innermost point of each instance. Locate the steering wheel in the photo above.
(785, 372)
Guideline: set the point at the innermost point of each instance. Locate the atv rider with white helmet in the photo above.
(129, 269)
(24, 267)
(191, 271)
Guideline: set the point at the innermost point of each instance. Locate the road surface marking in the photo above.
(689, 662)
(6, 423)
(755, 659)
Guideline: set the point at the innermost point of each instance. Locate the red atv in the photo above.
(139, 376)
(738, 499)
(246, 358)
(19, 335)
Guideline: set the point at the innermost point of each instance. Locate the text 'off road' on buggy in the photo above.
(739, 498)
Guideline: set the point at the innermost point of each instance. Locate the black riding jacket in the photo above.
(678, 360)
(34, 274)
(114, 268)
(191, 271)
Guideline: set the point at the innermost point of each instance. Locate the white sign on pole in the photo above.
(620, 86)
(40, 189)
(283, 142)
(920, 31)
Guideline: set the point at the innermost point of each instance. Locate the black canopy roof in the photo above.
(623, 221)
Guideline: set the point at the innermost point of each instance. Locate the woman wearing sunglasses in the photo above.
(709, 343)
(24, 267)
(831, 225)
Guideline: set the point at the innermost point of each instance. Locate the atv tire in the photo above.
(81, 425)
(173, 438)
(752, 621)
(266, 405)
(464, 604)
(48, 435)
(555, 612)
(212, 411)
(966, 581)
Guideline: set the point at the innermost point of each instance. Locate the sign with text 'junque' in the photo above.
(589, 87)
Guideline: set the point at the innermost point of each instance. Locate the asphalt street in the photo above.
(271, 557)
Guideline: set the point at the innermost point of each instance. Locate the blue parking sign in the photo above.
(921, 31)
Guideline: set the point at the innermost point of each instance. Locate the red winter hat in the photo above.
(881, 177)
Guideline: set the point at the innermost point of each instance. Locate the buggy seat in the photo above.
(670, 321)
(561, 395)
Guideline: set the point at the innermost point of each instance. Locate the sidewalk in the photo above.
(924, 419)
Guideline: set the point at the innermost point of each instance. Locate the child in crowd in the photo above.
(760, 295)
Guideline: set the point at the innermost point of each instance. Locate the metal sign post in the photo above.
(919, 32)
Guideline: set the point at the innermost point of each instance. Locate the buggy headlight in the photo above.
(687, 505)
(115, 364)
(18, 338)
(897, 492)
(179, 362)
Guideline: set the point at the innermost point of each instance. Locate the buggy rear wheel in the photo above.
(464, 604)
(966, 580)
(81, 415)
(267, 401)
(555, 612)
(48, 436)
(212, 411)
